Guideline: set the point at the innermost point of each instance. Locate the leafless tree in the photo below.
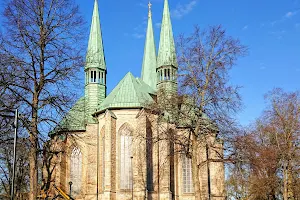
(22, 169)
(271, 149)
(40, 50)
(205, 106)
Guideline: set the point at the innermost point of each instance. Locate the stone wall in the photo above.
(151, 161)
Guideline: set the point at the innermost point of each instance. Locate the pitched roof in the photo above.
(74, 120)
(131, 92)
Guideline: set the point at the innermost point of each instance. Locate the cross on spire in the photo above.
(149, 61)
(149, 5)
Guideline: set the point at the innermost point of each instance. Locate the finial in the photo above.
(149, 5)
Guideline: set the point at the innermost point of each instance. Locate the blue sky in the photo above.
(270, 28)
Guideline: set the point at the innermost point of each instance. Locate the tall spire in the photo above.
(149, 61)
(95, 69)
(95, 53)
(166, 52)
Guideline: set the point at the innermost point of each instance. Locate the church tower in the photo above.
(149, 62)
(95, 68)
(167, 65)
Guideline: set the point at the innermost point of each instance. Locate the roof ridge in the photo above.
(129, 93)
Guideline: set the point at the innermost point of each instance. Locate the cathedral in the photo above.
(108, 154)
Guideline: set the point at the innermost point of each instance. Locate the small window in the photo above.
(172, 74)
(102, 78)
(94, 77)
(160, 71)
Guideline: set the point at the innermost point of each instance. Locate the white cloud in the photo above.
(158, 25)
(144, 5)
(278, 34)
(182, 10)
(262, 66)
(290, 14)
(245, 27)
(137, 35)
(140, 30)
(287, 15)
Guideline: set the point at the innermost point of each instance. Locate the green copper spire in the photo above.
(95, 54)
(166, 52)
(95, 69)
(149, 61)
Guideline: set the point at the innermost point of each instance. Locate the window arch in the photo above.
(76, 170)
(187, 175)
(125, 133)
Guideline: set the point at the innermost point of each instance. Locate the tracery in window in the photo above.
(76, 170)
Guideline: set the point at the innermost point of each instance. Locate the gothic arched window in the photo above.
(125, 157)
(187, 175)
(76, 170)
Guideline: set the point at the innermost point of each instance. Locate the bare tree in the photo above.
(203, 110)
(40, 54)
(271, 149)
(22, 169)
(205, 59)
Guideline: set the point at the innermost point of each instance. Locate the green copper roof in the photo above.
(95, 52)
(166, 52)
(149, 61)
(129, 93)
(74, 120)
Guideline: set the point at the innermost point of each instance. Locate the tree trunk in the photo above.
(33, 168)
(287, 183)
(33, 151)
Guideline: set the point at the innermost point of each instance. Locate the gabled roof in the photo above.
(129, 93)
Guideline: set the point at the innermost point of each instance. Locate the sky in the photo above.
(270, 29)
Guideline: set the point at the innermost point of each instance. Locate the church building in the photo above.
(108, 154)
